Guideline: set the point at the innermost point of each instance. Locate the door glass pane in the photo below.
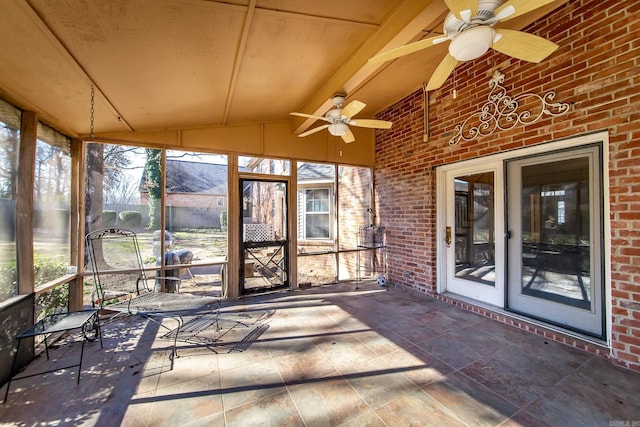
(264, 265)
(556, 232)
(474, 228)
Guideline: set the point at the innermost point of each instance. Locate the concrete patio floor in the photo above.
(328, 356)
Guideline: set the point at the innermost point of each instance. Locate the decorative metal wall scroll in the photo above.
(503, 112)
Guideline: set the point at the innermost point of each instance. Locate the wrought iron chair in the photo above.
(122, 286)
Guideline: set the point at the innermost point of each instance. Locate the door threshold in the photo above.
(554, 332)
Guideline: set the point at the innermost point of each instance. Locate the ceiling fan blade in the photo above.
(407, 49)
(521, 45)
(314, 130)
(353, 108)
(441, 73)
(371, 123)
(309, 116)
(348, 136)
(514, 8)
(457, 7)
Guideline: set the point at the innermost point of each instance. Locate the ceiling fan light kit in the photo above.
(470, 28)
(338, 129)
(340, 119)
(472, 44)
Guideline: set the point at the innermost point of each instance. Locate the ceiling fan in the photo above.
(470, 28)
(339, 119)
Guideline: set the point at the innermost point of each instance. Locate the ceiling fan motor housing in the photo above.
(338, 99)
(453, 27)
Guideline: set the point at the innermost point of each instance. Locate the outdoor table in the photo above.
(60, 322)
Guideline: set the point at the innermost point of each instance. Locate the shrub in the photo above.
(45, 269)
(130, 219)
(8, 280)
(56, 299)
(223, 220)
(109, 219)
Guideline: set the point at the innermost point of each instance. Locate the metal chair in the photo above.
(122, 286)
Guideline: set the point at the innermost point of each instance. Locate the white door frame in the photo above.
(443, 172)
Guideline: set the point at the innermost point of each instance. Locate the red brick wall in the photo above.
(595, 69)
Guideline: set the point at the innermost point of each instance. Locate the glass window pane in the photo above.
(474, 228)
(316, 183)
(355, 207)
(556, 232)
(51, 205)
(196, 203)
(317, 200)
(9, 150)
(355, 210)
(196, 191)
(317, 226)
(260, 165)
(122, 189)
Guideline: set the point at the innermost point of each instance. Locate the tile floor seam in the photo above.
(575, 370)
(360, 395)
(444, 408)
(505, 398)
(293, 401)
(496, 393)
(436, 357)
(525, 408)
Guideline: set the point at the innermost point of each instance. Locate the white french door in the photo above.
(472, 241)
(524, 231)
(555, 250)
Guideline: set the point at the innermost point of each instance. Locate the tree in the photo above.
(124, 192)
(94, 186)
(153, 179)
(106, 164)
(9, 148)
(10, 143)
(52, 173)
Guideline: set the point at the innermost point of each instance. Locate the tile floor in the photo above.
(328, 356)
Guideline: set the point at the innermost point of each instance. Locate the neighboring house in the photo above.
(315, 201)
(196, 193)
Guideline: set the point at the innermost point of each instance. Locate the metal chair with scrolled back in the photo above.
(121, 284)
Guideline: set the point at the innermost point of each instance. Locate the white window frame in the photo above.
(305, 190)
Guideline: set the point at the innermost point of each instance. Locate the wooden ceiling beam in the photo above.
(408, 19)
(238, 61)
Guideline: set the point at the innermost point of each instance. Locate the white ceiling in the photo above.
(166, 64)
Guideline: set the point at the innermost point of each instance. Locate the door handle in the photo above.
(447, 238)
